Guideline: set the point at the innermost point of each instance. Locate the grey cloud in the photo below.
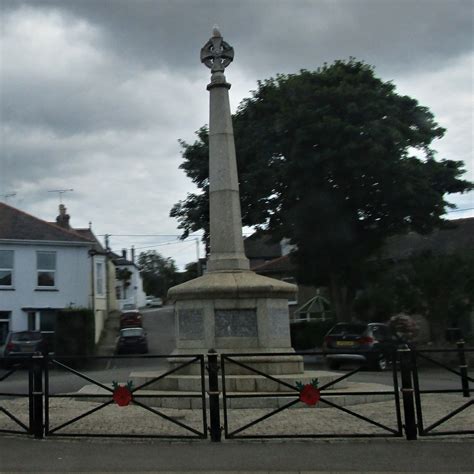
(104, 117)
(280, 36)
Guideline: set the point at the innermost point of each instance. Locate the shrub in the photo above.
(309, 334)
(75, 332)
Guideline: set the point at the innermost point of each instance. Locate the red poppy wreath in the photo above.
(309, 393)
(122, 394)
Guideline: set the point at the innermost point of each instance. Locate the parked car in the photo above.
(132, 341)
(369, 343)
(129, 307)
(23, 344)
(156, 302)
(131, 319)
(148, 300)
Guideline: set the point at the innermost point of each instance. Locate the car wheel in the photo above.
(381, 363)
(333, 364)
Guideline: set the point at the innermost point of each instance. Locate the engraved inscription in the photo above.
(236, 323)
(279, 322)
(191, 324)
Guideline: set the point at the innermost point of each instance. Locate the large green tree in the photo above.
(159, 273)
(336, 161)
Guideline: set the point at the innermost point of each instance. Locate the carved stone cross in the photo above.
(216, 54)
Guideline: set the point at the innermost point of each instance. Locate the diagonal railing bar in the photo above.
(85, 377)
(261, 373)
(143, 385)
(5, 376)
(361, 417)
(444, 366)
(345, 376)
(77, 418)
(264, 417)
(450, 415)
(162, 415)
(14, 418)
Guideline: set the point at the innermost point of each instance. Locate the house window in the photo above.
(4, 326)
(99, 278)
(31, 320)
(45, 322)
(46, 269)
(6, 268)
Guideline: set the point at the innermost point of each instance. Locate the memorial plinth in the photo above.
(230, 308)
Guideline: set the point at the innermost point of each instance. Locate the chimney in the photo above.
(132, 251)
(124, 254)
(63, 219)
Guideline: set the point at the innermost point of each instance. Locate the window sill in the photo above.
(7, 288)
(46, 289)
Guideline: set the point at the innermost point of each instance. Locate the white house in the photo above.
(129, 282)
(46, 267)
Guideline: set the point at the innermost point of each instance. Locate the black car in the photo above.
(371, 344)
(23, 344)
(132, 341)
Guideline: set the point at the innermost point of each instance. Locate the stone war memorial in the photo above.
(230, 309)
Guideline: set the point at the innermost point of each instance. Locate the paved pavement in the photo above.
(98, 455)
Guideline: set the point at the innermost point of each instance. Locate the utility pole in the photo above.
(106, 240)
(198, 257)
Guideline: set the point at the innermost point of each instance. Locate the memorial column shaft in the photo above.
(227, 248)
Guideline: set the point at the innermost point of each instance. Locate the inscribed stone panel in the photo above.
(279, 322)
(191, 324)
(236, 323)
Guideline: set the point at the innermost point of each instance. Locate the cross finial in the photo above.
(216, 54)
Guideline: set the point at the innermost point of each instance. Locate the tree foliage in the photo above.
(159, 273)
(439, 287)
(336, 161)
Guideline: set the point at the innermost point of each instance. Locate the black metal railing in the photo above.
(293, 393)
(24, 368)
(463, 388)
(405, 384)
(137, 398)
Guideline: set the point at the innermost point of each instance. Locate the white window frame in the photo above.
(44, 270)
(99, 279)
(6, 269)
(6, 319)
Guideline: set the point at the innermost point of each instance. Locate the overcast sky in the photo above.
(96, 93)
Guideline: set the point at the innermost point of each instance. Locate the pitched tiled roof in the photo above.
(261, 246)
(88, 234)
(457, 236)
(120, 260)
(277, 265)
(18, 225)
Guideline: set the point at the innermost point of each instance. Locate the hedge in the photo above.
(309, 334)
(74, 335)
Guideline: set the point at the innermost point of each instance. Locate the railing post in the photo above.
(31, 408)
(407, 392)
(215, 421)
(38, 428)
(463, 368)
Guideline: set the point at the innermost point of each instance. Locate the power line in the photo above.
(147, 235)
(460, 210)
(163, 244)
